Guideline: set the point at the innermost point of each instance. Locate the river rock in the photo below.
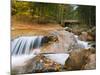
(76, 32)
(92, 62)
(78, 60)
(68, 29)
(38, 64)
(65, 42)
(46, 40)
(85, 36)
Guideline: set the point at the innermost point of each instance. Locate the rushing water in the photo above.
(31, 44)
(27, 47)
(82, 44)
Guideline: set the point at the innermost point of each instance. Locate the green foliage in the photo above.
(52, 12)
(20, 7)
(87, 14)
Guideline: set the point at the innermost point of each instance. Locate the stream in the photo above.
(25, 48)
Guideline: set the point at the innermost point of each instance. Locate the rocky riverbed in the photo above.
(60, 50)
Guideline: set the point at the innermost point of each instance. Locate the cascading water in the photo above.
(26, 45)
(26, 48)
(82, 44)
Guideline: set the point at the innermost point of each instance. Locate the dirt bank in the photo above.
(22, 29)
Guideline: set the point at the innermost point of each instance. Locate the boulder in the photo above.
(87, 36)
(83, 36)
(67, 29)
(64, 41)
(46, 40)
(78, 60)
(92, 62)
(37, 64)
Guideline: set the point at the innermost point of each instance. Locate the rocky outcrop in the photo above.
(92, 63)
(64, 41)
(38, 64)
(59, 41)
(85, 36)
(81, 60)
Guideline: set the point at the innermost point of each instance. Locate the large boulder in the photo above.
(63, 41)
(92, 62)
(86, 36)
(80, 59)
(37, 64)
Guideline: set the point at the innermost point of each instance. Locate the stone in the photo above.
(78, 59)
(83, 36)
(87, 36)
(64, 43)
(38, 64)
(92, 62)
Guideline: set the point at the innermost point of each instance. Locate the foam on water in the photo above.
(21, 60)
(25, 45)
(82, 44)
(25, 48)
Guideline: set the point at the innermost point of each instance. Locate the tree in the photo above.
(87, 14)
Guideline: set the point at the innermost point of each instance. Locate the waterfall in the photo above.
(26, 45)
(25, 48)
(82, 44)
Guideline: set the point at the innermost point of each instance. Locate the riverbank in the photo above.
(41, 44)
(24, 29)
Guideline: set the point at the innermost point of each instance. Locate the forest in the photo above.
(54, 13)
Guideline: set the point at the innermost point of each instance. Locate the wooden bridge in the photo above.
(70, 22)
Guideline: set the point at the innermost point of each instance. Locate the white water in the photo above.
(21, 60)
(82, 44)
(26, 45)
(25, 48)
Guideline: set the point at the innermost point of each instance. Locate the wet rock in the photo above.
(48, 39)
(68, 29)
(93, 44)
(38, 64)
(78, 59)
(65, 42)
(43, 64)
(83, 36)
(92, 31)
(92, 62)
(87, 36)
(76, 31)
